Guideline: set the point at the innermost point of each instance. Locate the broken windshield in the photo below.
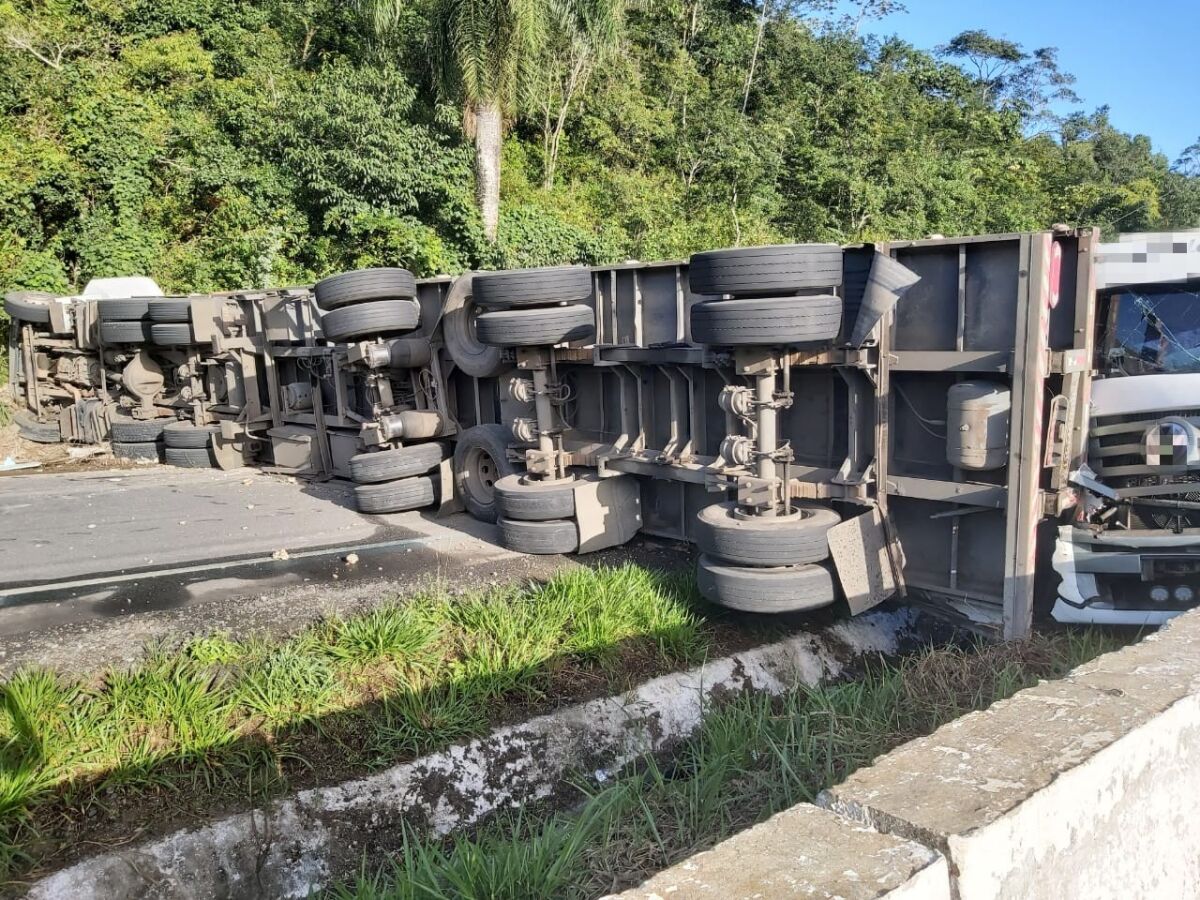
(1153, 331)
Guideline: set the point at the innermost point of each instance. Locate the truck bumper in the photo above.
(1091, 566)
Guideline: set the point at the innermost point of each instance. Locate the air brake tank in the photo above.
(977, 417)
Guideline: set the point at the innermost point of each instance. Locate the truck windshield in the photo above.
(1152, 331)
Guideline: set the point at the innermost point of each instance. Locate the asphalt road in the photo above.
(56, 528)
(98, 564)
(109, 543)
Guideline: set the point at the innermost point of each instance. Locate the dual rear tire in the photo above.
(781, 295)
(537, 327)
(389, 497)
(368, 303)
(537, 517)
(137, 440)
(397, 480)
(163, 321)
(189, 446)
(766, 564)
(534, 307)
(785, 589)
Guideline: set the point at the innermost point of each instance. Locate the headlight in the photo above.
(1160, 594)
(1184, 594)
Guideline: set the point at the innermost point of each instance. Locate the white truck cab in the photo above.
(1132, 555)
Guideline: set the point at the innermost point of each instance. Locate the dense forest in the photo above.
(233, 143)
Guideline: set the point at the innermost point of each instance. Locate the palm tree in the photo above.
(482, 50)
(485, 52)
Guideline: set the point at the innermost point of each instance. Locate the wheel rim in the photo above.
(481, 476)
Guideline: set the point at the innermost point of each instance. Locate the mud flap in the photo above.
(608, 511)
(230, 446)
(864, 564)
(448, 499)
(229, 454)
(83, 422)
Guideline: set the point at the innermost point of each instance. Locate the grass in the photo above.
(220, 720)
(754, 757)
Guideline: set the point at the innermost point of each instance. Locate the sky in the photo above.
(1141, 59)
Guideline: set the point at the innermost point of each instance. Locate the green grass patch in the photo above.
(753, 757)
(226, 721)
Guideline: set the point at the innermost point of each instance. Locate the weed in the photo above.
(288, 687)
(639, 603)
(173, 701)
(40, 713)
(424, 717)
(532, 860)
(217, 649)
(401, 633)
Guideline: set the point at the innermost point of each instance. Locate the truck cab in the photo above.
(1132, 554)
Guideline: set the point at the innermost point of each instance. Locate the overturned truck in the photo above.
(823, 422)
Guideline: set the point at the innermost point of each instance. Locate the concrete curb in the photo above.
(298, 845)
(1080, 787)
(803, 852)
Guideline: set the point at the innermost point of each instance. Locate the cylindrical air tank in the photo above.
(977, 417)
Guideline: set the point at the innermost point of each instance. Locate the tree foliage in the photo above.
(234, 143)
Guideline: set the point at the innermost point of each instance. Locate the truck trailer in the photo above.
(971, 424)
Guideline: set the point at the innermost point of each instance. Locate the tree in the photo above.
(583, 34)
(219, 144)
(481, 50)
(1008, 77)
(1188, 163)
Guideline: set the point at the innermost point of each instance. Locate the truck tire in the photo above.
(395, 496)
(779, 590)
(28, 306)
(764, 271)
(143, 451)
(364, 284)
(132, 309)
(126, 332)
(533, 287)
(370, 318)
(38, 432)
(766, 322)
(123, 430)
(189, 458)
(536, 327)
(480, 462)
(400, 462)
(172, 335)
(186, 436)
(540, 538)
(534, 501)
(170, 310)
(795, 540)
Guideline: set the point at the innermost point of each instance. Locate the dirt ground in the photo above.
(53, 457)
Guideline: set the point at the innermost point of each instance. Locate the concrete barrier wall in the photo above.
(1086, 787)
